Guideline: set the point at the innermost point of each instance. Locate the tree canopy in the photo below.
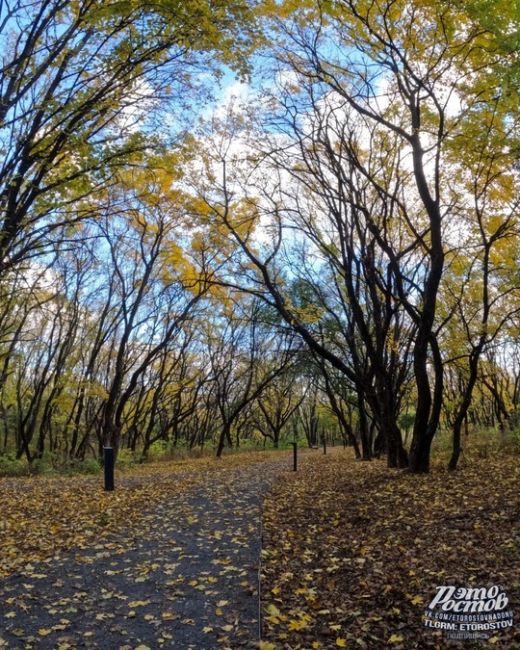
(333, 256)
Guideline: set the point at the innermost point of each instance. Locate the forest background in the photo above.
(330, 254)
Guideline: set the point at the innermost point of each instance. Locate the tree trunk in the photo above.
(225, 434)
(463, 409)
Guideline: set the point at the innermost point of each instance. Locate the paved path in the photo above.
(189, 582)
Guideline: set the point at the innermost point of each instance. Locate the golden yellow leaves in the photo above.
(82, 514)
(309, 314)
(138, 603)
(382, 598)
(227, 628)
(267, 645)
(273, 614)
(199, 243)
(155, 182)
(44, 631)
(177, 267)
(299, 624)
(62, 625)
(395, 638)
(274, 617)
(285, 8)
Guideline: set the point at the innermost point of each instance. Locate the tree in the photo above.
(76, 81)
(405, 86)
(277, 404)
(246, 358)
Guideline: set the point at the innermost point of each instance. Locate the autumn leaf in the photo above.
(299, 509)
(298, 624)
(267, 645)
(44, 631)
(272, 610)
(395, 638)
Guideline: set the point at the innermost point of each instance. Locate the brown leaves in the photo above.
(39, 517)
(356, 550)
(176, 567)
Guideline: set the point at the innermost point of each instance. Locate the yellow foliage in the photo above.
(298, 624)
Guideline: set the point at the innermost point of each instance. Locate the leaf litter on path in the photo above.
(170, 559)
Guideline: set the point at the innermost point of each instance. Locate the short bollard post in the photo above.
(295, 456)
(324, 440)
(108, 464)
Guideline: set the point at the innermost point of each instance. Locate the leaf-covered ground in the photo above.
(351, 554)
(169, 560)
(353, 551)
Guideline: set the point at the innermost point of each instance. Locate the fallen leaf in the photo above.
(395, 638)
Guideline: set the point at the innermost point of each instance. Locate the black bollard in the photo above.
(108, 464)
(324, 440)
(295, 456)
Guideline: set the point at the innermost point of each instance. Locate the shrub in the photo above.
(45, 464)
(510, 440)
(10, 466)
(125, 459)
(89, 466)
(159, 449)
